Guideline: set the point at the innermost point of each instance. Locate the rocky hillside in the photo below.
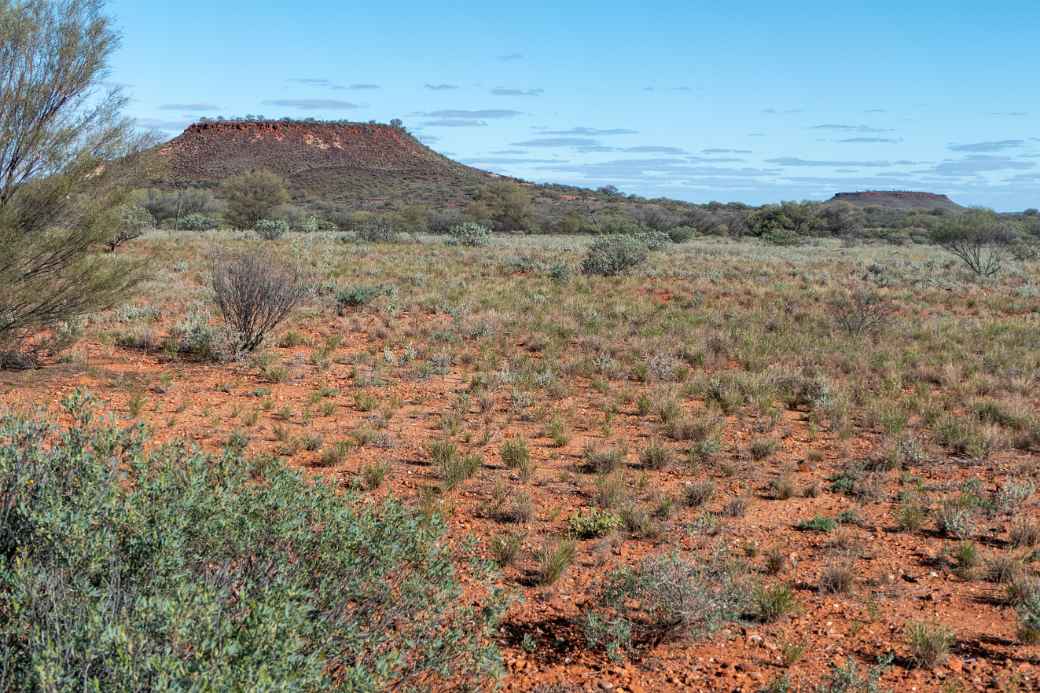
(359, 164)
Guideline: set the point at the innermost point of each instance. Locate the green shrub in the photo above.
(614, 255)
(592, 523)
(271, 229)
(360, 295)
(114, 561)
(681, 234)
(470, 234)
(196, 222)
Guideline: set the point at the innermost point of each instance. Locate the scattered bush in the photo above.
(124, 557)
(255, 291)
(253, 196)
(271, 229)
(196, 222)
(976, 237)
(678, 597)
(681, 234)
(470, 234)
(614, 255)
(592, 523)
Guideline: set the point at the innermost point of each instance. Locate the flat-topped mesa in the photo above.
(897, 199)
(359, 165)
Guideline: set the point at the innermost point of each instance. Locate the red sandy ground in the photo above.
(898, 575)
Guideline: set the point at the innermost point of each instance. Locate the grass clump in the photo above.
(929, 643)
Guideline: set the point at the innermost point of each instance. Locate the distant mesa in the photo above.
(358, 164)
(904, 200)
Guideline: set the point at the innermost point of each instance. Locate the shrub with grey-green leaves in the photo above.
(196, 222)
(271, 229)
(470, 234)
(679, 597)
(614, 255)
(171, 570)
(681, 234)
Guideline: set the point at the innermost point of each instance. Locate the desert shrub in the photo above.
(1029, 617)
(174, 207)
(376, 230)
(653, 240)
(678, 597)
(271, 229)
(929, 643)
(360, 295)
(470, 234)
(114, 559)
(505, 548)
(196, 222)
(614, 255)
(976, 237)
(255, 291)
(593, 522)
(699, 493)
(840, 219)
(130, 222)
(603, 460)
(253, 196)
(681, 234)
(783, 224)
(443, 221)
(859, 312)
(195, 337)
(59, 198)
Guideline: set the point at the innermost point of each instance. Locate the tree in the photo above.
(976, 237)
(507, 205)
(253, 196)
(60, 131)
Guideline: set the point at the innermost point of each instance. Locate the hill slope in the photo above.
(899, 200)
(359, 164)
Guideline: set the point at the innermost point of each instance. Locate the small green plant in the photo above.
(593, 522)
(374, 474)
(698, 493)
(515, 455)
(929, 642)
(335, 454)
(817, 524)
(506, 547)
(655, 456)
(772, 603)
(603, 460)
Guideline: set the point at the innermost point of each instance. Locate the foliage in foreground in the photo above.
(57, 129)
(126, 571)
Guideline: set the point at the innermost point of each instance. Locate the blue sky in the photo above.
(747, 101)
